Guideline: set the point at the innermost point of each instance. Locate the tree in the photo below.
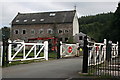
(115, 28)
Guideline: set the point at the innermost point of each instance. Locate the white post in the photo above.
(117, 49)
(24, 51)
(61, 49)
(105, 46)
(9, 51)
(46, 50)
(35, 52)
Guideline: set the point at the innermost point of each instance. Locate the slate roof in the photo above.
(44, 17)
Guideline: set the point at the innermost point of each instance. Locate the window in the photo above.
(41, 19)
(66, 31)
(52, 14)
(60, 31)
(23, 31)
(32, 31)
(66, 39)
(16, 31)
(17, 20)
(60, 39)
(80, 37)
(33, 19)
(25, 20)
(41, 31)
(50, 31)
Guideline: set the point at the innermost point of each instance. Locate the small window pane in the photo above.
(41, 19)
(80, 37)
(50, 31)
(16, 32)
(24, 31)
(25, 20)
(52, 14)
(66, 31)
(33, 20)
(17, 20)
(60, 31)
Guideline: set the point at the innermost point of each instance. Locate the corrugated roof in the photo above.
(44, 17)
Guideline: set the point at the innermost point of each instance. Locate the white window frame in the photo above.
(17, 21)
(52, 14)
(25, 20)
(33, 31)
(33, 20)
(41, 30)
(25, 31)
(42, 19)
(15, 31)
(51, 31)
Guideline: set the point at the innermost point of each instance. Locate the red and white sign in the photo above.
(69, 49)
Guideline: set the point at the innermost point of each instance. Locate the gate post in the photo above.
(9, 50)
(108, 50)
(46, 50)
(3, 54)
(58, 49)
(85, 56)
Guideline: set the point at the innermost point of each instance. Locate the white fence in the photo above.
(21, 48)
(67, 50)
(97, 52)
(114, 52)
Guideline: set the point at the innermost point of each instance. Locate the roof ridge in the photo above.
(47, 12)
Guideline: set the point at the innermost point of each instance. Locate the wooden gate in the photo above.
(22, 50)
(67, 50)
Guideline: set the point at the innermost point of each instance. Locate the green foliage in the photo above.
(96, 26)
(115, 28)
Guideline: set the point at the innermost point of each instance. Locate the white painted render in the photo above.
(75, 25)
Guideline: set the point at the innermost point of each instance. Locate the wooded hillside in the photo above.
(101, 26)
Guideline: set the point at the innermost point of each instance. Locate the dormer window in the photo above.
(41, 19)
(52, 14)
(25, 20)
(17, 20)
(33, 19)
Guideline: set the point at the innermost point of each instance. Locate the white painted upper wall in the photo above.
(75, 25)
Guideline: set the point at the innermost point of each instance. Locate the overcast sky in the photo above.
(10, 9)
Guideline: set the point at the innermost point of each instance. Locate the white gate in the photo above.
(97, 52)
(21, 49)
(67, 50)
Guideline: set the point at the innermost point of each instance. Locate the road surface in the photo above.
(61, 68)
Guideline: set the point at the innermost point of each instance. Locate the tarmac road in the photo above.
(61, 68)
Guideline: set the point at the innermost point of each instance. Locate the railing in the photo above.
(21, 48)
(103, 59)
(96, 53)
(114, 52)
